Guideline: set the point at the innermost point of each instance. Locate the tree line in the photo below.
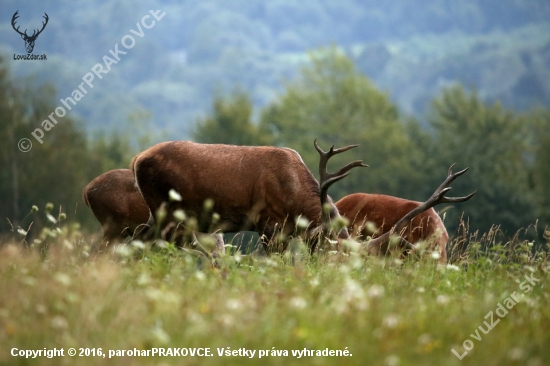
(411, 49)
(507, 152)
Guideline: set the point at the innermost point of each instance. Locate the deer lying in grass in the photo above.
(116, 204)
(412, 221)
(376, 214)
(261, 188)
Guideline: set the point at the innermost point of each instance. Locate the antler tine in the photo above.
(342, 173)
(342, 149)
(450, 171)
(13, 19)
(326, 178)
(349, 166)
(458, 199)
(333, 151)
(451, 177)
(44, 24)
(323, 159)
(327, 183)
(326, 155)
(444, 187)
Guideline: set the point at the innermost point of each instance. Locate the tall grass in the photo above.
(60, 293)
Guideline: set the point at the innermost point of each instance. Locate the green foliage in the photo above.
(409, 49)
(230, 123)
(507, 153)
(108, 152)
(491, 141)
(333, 102)
(336, 104)
(56, 170)
(541, 168)
(53, 167)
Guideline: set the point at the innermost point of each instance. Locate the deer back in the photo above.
(384, 212)
(250, 186)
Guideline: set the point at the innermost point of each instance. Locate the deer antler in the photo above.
(43, 26)
(437, 198)
(328, 179)
(15, 16)
(34, 34)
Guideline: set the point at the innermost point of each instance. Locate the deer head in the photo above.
(29, 40)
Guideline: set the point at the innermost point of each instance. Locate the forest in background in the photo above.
(507, 151)
(420, 86)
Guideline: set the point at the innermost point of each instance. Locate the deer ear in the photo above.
(22, 36)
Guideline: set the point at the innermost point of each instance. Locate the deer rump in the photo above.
(384, 212)
(253, 188)
(116, 204)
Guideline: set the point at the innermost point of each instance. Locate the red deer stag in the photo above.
(258, 188)
(116, 204)
(413, 221)
(383, 212)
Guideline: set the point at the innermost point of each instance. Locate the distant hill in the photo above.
(410, 49)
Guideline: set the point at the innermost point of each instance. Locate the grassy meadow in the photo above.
(59, 293)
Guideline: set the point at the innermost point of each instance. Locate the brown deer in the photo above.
(413, 221)
(116, 204)
(259, 188)
(120, 208)
(376, 214)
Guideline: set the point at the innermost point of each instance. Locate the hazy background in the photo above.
(419, 85)
(409, 49)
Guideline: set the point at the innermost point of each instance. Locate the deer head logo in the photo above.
(29, 40)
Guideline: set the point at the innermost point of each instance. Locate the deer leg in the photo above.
(145, 231)
(219, 247)
(383, 243)
(113, 232)
(269, 237)
(198, 246)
